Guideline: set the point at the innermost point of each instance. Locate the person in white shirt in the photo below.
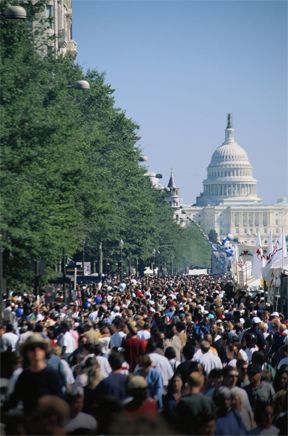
(143, 330)
(26, 334)
(104, 365)
(104, 340)
(117, 337)
(67, 341)
(11, 337)
(207, 358)
(159, 361)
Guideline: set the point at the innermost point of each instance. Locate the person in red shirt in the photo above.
(133, 347)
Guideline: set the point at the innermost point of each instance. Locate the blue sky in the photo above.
(178, 67)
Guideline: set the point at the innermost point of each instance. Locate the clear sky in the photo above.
(178, 67)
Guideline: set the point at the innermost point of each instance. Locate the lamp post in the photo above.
(100, 260)
(1, 280)
(121, 245)
(154, 260)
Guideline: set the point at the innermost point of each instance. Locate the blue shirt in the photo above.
(155, 385)
(231, 424)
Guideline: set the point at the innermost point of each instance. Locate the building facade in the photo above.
(229, 201)
(54, 24)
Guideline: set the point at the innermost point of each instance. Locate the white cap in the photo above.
(233, 363)
(243, 355)
(275, 314)
(256, 320)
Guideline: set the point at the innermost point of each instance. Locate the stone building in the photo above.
(54, 24)
(229, 201)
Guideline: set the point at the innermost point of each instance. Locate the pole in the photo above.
(63, 275)
(100, 260)
(121, 245)
(121, 258)
(75, 277)
(83, 259)
(1, 281)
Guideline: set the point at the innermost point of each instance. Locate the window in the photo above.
(49, 15)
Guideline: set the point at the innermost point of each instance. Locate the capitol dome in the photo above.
(229, 175)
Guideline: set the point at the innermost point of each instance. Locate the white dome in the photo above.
(229, 176)
(231, 152)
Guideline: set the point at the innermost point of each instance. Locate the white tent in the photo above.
(280, 263)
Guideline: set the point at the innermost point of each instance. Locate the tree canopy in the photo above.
(70, 175)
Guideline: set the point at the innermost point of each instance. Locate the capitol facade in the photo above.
(229, 202)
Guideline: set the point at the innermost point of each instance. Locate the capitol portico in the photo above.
(229, 201)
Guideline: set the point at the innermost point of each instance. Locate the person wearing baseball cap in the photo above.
(37, 379)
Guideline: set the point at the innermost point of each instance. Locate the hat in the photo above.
(34, 340)
(256, 320)
(275, 314)
(136, 382)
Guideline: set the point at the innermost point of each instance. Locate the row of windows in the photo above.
(252, 231)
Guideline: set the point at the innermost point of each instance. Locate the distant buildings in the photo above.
(229, 201)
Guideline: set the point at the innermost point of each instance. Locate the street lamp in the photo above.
(100, 260)
(81, 84)
(154, 261)
(121, 245)
(14, 13)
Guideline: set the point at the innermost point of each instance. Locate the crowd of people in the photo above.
(191, 355)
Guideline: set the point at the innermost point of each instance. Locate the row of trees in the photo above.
(70, 174)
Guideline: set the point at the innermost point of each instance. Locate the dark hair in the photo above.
(227, 369)
(258, 358)
(215, 373)
(116, 360)
(188, 351)
(170, 353)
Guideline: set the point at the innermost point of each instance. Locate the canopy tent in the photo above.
(280, 263)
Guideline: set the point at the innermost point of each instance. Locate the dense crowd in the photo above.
(172, 355)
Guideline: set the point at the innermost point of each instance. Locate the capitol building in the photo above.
(229, 202)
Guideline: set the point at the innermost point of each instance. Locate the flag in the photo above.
(269, 256)
(258, 259)
(270, 246)
(279, 250)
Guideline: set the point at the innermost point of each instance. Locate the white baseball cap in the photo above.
(256, 320)
(275, 314)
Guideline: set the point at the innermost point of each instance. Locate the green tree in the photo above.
(70, 176)
(213, 236)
